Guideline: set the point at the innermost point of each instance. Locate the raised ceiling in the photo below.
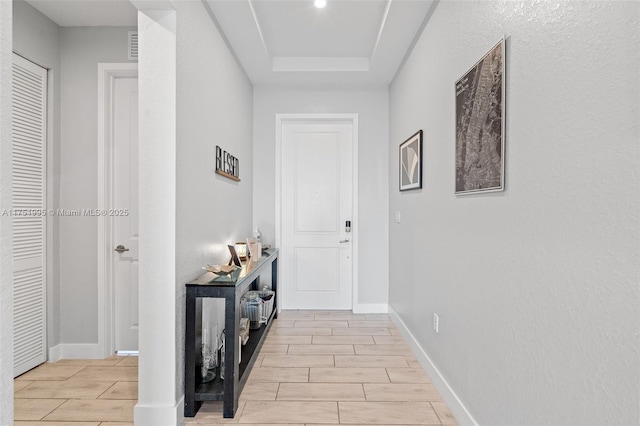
(348, 44)
(297, 28)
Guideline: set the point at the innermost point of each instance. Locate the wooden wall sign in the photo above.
(227, 165)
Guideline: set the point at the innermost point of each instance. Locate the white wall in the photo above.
(81, 50)
(213, 106)
(37, 38)
(158, 401)
(372, 109)
(537, 286)
(6, 250)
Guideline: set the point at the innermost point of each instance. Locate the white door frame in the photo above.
(312, 119)
(107, 73)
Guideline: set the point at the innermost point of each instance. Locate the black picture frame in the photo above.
(410, 163)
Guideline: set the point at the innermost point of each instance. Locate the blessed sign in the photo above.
(227, 165)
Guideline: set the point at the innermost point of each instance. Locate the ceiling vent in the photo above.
(133, 46)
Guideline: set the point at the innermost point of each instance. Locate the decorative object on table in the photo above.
(221, 356)
(257, 306)
(411, 162)
(209, 356)
(235, 260)
(241, 250)
(267, 297)
(255, 249)
(250, 241)
(244, 331)
(251, 307)
(480, 125)
(227, 165)
(266, 247)
(220, 269)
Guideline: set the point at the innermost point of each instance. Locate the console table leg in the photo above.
(274, 284)
(231, 356)
(191, 406)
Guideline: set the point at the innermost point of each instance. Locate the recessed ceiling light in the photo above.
(320, 3)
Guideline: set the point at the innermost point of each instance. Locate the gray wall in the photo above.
(214, 107)
(373, 116)
(37, 38)
(81, 50)
(71, 54)
(536, 286)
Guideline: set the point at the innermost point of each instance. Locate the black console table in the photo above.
(231, 288)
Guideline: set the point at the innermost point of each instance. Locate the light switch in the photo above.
(398, 217)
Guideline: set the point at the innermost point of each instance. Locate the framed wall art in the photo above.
(411, 162)
(480, 125)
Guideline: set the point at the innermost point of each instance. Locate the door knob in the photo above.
(121, 248)
(344, 241)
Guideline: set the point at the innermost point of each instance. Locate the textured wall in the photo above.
(536, 286)
(6, 250)
(372, 109)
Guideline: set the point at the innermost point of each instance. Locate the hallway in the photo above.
(316, 367)
(334, 367)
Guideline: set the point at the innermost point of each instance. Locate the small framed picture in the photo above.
(411, 162)
(235, 259)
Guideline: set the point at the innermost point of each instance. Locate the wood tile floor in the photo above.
(316, 367)
(78, 393)
(334, 367)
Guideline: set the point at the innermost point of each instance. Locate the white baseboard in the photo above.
(159, 415)
(457, 408)
(371, 308)
(75, 351)
(53, 354)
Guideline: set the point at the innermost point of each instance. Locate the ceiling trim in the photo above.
(318, 64)
(259, 38)
(409, 51)
(382, 24)
(259, 28)
(145, 5)
(226, 41)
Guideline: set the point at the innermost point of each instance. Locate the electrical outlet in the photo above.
(436, 322)
(398, 217)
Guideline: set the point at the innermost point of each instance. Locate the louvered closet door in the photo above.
(29, 153)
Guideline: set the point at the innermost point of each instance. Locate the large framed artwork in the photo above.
(411, 162)
(480, 125)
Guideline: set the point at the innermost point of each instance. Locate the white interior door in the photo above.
(29, 103)
(125, 213)
(317, 184)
